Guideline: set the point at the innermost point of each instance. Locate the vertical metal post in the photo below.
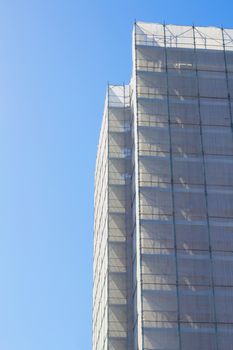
(127, 238)
(172, 190)
(227, 79)
(140, 330)
(108, 130)
(205, 188)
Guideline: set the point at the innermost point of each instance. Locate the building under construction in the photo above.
(163, 228)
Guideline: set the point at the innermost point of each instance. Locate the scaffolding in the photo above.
(163, 231)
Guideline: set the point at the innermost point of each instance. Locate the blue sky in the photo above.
(55, 60)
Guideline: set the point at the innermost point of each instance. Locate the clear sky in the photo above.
(55, 60)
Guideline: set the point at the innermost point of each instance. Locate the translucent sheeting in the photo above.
(164, 196)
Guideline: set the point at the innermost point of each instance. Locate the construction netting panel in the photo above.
(117, 321)
(194, 270)
(119, 145)
(212, 84)
(183, 110)
(223, 268)
(100, 264)
(179, 37)
(182, 83)
(196, 305)
(185, 184)
(152, 112)
(151, 59)
(215, 112)
(154, 172)
(117, 257)
(162, 337)
(119, 121)
(158, 269)
(221, 234)
(224, 304)
(119, 199)
(220, 202)
(217, 141)
(119, 170)
(188, 170)
(225, 336)
(209, 38)
(180, 59)
(155, 107)
(159, 306)
(118, 288)
(117, 344)
(153, 141)
(158, 35)
(189, 203)
(219, 170)
(210, 60)
(185, 140)
(155, 202)
(145, 35)
(151, 84)
(198, 336)
(192, 235)
(117, 227)
(156, 235)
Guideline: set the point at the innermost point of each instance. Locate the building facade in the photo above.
(163, 227)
